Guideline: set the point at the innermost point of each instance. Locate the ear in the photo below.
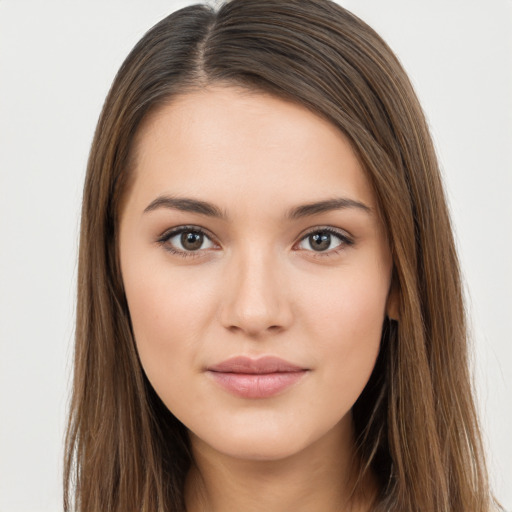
(393, 302)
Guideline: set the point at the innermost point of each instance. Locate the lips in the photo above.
(267, 364)
(256, 378)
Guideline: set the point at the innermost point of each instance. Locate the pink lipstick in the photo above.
(256, 378)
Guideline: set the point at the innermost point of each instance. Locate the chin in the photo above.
(259, 448)
(261, 441)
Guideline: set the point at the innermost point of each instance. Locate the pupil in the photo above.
(191, 240)
(321, 241)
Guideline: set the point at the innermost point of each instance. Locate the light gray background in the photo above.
(57, 60)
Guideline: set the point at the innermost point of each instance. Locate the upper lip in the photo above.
(266, 364)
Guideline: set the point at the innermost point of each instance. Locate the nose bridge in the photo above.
(255, 299)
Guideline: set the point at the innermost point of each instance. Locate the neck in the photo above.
(319, 478)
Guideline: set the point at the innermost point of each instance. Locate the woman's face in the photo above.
(250, 231)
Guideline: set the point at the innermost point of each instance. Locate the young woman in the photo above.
(269, 307)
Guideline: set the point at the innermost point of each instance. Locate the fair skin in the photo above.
(311, 289)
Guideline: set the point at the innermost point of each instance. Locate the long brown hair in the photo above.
(416, 425)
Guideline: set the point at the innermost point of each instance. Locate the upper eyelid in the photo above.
(329, 229)
(170, 233)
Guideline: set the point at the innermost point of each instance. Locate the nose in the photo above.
(255, 296)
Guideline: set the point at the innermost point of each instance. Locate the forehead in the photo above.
(235, 147)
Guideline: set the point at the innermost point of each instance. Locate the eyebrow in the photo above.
(187, 204)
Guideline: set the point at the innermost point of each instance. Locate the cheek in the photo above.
(345, 319)
(169, 316)
(349, 305)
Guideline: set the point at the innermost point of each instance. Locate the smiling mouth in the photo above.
(256, 378)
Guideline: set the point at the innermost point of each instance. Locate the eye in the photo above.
(186, 241)
(189, 241)
(325, 240)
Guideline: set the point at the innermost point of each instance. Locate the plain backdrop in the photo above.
(57, 60)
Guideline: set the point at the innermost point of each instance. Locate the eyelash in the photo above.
(163, 240)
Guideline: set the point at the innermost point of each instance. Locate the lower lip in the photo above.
(256, 385)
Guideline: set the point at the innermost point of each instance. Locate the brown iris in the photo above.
(191, 240)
